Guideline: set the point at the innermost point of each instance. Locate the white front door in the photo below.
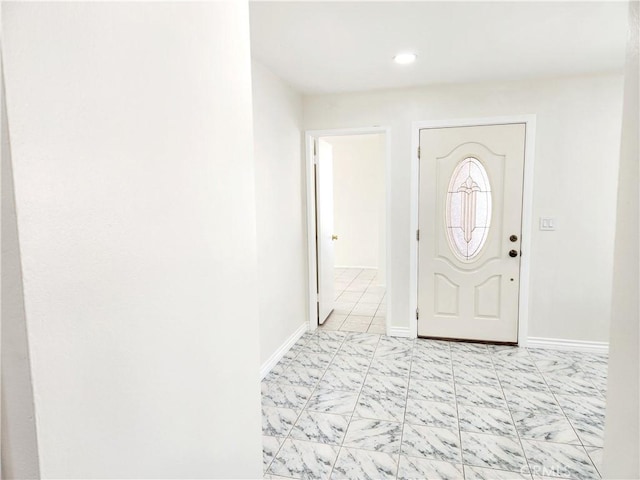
(470, 218)
(324, 229)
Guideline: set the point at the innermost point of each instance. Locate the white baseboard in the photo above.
(282, 350)
(399, 332)
(564, 344)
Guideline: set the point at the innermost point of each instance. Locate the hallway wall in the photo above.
(622, 433)
(576, 164)
(131, 143)
(280, 210)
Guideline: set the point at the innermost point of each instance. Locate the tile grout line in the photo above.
(288, 436)
(567, 418)
(524, 454)
(404, 416)
(341, 446)
(455, 393)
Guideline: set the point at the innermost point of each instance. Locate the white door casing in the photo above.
(324, 229)
(468, 285)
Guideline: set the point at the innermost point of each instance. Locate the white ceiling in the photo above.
(321, 47)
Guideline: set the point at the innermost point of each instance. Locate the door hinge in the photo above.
(418, 153)
(417, 314)
(418, 235)
(315, 152)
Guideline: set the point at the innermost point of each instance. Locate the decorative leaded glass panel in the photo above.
(468, 209)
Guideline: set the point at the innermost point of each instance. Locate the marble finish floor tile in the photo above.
(276, 371)
(300, 375)
(423, 369)
(385, 386)
(359, 464)
(550, 428)
(377, 435)
(480, 396)
(363, 339)
(430, 442)
(431, 343)
(355, 348)
(559, 460)
(277, 422)
(412, 468)
(595, 454)
(432, 355)
(332, 401)
(320, 428)
(431, 391)
(319, 361)
(351, 362)
(475, 376)
(518, 380)
(575, 384)
(336, 378)
(486, 420)
(381, 408)
(515, 364)
(321, 346)
(390, 350)
(483, 473)
(362, 405)
(432, 414)
(557, 366)
(531, 401)
(493, 451)
(592, 406)
(507, 351)
(471, 360)
(590, 430)
(394, 366)
(285, 396)
(467, 347)
(270, 446)
(335, 336)
(298, 459)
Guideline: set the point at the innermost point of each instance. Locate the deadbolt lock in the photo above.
(513, 238)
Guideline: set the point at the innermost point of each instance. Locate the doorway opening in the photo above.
(348, 234)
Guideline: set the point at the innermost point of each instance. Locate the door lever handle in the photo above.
(334, 237)
(513, 253)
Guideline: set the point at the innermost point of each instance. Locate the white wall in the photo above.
(281, 219)
(131, 141)
(359, 199)
(19, 440)
(577, 144)
(622, 432)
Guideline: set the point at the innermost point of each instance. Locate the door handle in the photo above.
(334, 237)
(513, 253)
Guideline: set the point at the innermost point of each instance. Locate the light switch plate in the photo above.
(547, 223)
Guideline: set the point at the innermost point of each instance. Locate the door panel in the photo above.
(470, 203)
(324, 230)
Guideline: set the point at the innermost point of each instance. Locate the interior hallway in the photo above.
(359, 405)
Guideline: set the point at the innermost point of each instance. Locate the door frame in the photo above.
(310, 137)
(527, 209)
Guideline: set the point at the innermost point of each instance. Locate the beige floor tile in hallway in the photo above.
(360, 302)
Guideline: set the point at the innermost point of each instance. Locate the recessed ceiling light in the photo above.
(405, 58)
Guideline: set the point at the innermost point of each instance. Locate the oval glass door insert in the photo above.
(468, 209)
